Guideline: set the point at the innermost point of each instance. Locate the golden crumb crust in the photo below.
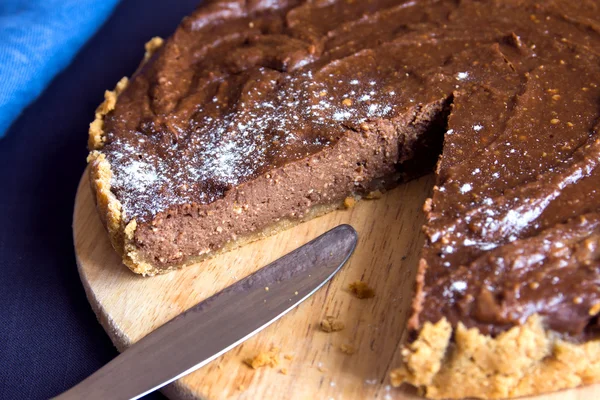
(100, 175)
(525, 360)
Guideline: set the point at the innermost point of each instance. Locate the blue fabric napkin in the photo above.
(38, 38)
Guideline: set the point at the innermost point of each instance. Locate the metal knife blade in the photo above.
(221, 322)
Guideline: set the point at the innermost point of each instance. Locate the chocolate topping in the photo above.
(257, 111)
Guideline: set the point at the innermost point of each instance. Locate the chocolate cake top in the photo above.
(513, 229)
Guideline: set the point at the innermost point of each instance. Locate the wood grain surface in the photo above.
(311, 362)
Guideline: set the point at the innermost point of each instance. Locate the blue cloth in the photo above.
(49, 336)
(38, 38)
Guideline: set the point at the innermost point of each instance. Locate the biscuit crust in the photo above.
(525, 360)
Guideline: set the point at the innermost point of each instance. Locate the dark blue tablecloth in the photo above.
(49, 336)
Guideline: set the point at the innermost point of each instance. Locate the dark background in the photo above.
(49, 336)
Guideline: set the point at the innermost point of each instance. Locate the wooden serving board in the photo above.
(312, 365)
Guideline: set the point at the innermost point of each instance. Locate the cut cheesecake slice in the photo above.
(258, 115)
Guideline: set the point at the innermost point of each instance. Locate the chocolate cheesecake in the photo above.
(257, 115)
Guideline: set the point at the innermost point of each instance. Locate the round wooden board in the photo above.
(130, 306)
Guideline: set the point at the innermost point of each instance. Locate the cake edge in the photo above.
(100, 175)
(525, 360)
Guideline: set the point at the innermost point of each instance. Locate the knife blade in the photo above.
(221, 322)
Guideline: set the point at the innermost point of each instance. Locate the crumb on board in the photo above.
(348, 349)
(376, 194)
(331, 324)
(288, 356)
(321, 368)
(268, 358)
(241, 388)
(283, 371)
(361, 290)
(349, 202)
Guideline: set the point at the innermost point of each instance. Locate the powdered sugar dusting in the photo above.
(141, 175)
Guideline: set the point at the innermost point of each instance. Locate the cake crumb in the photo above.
(269, 358)
(349, 202)
(595, 309)
(330, 324)
(428, 205)
(288, 357)
(361, 290)
(283, 371)
(376, 194)
(241, 388)
(348, 349)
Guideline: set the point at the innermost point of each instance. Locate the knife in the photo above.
(221, 322)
